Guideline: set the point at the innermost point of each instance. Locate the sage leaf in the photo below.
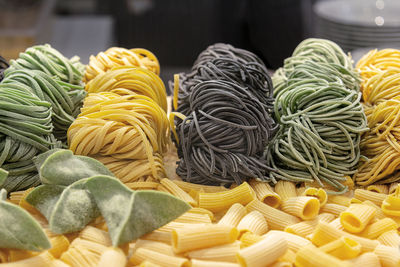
(44, 198)
(74, 209)
(131, 214)
(19, 230)
(64, 168)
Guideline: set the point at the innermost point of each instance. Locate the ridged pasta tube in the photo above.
(303, 207)
(356, 217)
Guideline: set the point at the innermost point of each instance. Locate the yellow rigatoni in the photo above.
(339, 200)
(202, 263)
(59, 244)
(285, 189)
(158, 235)
(289, 256)
(203, 236)
(233, 216)
(303, 207)
(356, 217)
(376, 198)
(325, 233)
(310, 256)
(96, 235)
(225, 253)
(17, 254)
(112, 257)
(388, 256)
(43, 259)
(326, 217)
(391, 204)
(175, 190)
(248, 239)
(202, 211)
(295, 242)
(368, 259)
(198, 187)
(378, 188)
(390, 238)
(266, 194)
(343, 248)
(142, 254)
(220, 201)
(337, 224)
(302, 229)
(263, 252)
(159, 247)
(379, 213)
(334, 209)
(276, 219)
(318, 193)
(190, 217)
(374, 230)
(253, 222)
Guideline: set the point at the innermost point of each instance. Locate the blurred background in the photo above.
(176, 31)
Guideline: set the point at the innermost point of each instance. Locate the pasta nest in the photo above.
(117, 56)
(130, 80)
(381, 144)
(127, 133)
(380, 71)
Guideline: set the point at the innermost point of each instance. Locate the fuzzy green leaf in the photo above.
(131, 214)
(64, 168)
(44, 198)
(18, 230)
(74, 209)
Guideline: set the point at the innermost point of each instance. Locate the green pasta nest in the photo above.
(321, 118)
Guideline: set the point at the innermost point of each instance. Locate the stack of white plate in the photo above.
(359, 23)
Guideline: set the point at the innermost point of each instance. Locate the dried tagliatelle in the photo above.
(130, 80)
(380, 71)
(118, 56)
(127, 133)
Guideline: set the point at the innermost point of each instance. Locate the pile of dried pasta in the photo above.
(380, 71)
(248, 225)
(123, 122)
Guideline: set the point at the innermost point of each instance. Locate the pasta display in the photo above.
(224, 108)
(253, 192)
(118, 56)
(318, 108)
(40, 98)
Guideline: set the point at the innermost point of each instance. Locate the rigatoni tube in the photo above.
(187, 239)
(266, 194)
(303, 207)
(310, 256)
(277, 219)
(356, 217)
(263, 252)
(253, 222)
(220, 201)
(343, 248)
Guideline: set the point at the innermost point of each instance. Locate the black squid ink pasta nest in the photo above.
(3, 66)
(224, 108)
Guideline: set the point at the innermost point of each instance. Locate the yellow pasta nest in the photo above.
(127, 133)
(130, 80)
(117, 56)
(380, 146)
